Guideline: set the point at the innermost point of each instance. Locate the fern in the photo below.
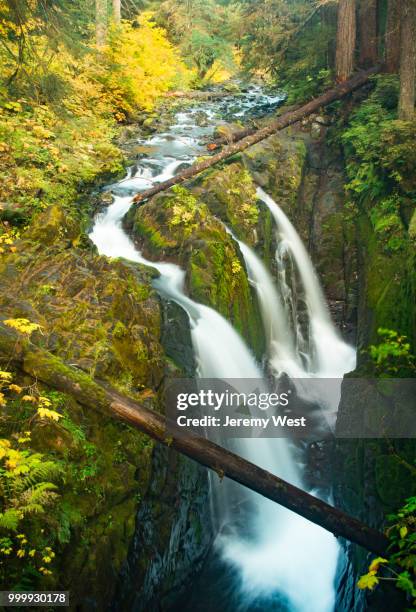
(9, 520)
(36, 498)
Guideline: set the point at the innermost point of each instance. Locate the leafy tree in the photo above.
(202, 30)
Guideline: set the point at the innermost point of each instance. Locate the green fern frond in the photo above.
(9, 520)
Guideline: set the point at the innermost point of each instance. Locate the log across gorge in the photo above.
(247, 138)
(50, 370)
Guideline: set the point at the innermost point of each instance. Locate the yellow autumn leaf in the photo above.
(368, 581)
(30, 398)
(15, 388)
(44, 401)
(24, 326)
(403, 531)
(375, 564)
(45, 413)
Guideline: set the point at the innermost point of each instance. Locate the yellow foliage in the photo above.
(45, 413)
(43, 410)
(24, 326)
(144, 64)
(15, 388)
(29, 398)
(368, 581)
(375, 564)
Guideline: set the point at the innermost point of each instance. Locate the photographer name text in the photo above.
(263, 422)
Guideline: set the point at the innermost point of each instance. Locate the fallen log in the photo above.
(199, 95)
(233, 137)
(289, 118)
(240, 134)
(47, 368)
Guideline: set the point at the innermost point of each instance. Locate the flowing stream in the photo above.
(277, 558)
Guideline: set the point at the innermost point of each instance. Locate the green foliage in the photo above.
(203, 30)
(289, 42)
(204, 49)
(185, 211)
(46, 495)
(40, 156)
(380, 163)
(392, 356)
(28, 494)
(400, 567)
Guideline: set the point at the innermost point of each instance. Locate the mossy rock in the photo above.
(230, 193)
(82, 301)
(180, 227)
(277, 165)
(388, 287)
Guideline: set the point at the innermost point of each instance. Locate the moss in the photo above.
(231, 193)
(217, 277)
(120, 330)
(277, 165)
(392, 480)
(102, 315)
(153, 236)
(390, 287)
(412, 227)
(215, 271)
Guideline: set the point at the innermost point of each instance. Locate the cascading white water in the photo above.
(330, 356)
(281, 345)
(219, 350)
(209, 330)
(264, 563)
(283, 556)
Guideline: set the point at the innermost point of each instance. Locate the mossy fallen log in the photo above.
(289, 118)
(47, 368)
(199, 95)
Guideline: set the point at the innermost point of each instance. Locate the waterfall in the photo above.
(330, 356)
(281, 346)
(280, 557)
(210, 332)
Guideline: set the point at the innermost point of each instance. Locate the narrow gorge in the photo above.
(207, 299)
(300, 339)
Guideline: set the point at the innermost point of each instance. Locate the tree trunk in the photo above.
(329, 15)
(346, 34)
(43, 366)
(117, 11)
(100, 22)
(368, 33)
(407, 60)
(392, 37)
(280, 123)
